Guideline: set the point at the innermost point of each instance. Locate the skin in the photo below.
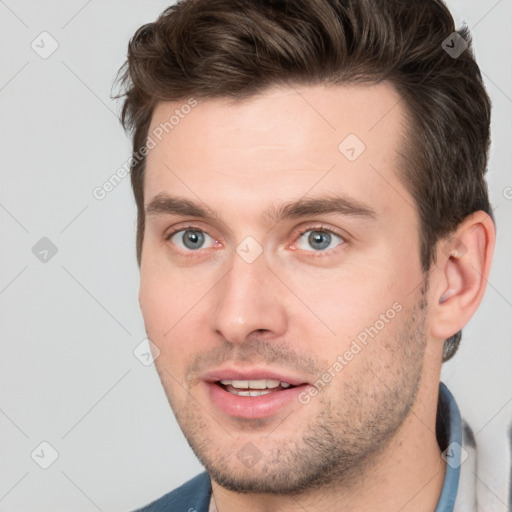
(367, 440)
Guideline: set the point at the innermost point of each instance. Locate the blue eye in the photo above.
(319, 239)
(190, 239)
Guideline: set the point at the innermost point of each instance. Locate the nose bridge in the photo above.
(247, 300)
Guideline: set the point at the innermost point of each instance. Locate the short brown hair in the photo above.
(237, 48)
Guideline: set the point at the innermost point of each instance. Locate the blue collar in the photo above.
(449, 436)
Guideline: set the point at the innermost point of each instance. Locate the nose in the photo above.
(249, 302)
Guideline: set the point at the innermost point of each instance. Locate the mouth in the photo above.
(253, 394)
(256, 387)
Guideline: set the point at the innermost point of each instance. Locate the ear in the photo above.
(459, 278)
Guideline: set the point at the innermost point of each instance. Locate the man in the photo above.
(314, 231)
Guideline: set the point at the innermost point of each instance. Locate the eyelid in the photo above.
(296, 235)
(189, 253)
(185, 227)
(323, 228)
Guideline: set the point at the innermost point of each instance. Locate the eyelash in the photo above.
(319, 227)
(323, 229)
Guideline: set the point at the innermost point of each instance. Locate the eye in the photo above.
(191, 239)
(319, 239)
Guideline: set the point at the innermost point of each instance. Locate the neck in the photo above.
(407, 475)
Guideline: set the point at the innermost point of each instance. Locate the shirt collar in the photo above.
(449, 436)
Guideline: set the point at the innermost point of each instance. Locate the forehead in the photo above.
(284, 141)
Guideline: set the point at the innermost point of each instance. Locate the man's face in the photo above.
(262, 294)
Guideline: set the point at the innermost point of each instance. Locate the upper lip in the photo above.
(251, 374)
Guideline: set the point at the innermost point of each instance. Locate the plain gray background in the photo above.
(70, 323)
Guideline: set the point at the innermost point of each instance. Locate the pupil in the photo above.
(315, 239)
(193, 239)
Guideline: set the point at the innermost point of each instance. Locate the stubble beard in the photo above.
(340, 444)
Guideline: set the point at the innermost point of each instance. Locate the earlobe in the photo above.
(461, 274)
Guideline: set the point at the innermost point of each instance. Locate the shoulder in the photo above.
(192, 496)
(485, 474)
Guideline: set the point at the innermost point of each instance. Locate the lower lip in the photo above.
(253, 407)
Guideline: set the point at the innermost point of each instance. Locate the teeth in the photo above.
(254, 384)
(254, 392)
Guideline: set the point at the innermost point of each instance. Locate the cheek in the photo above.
(347, 299)
(167, 295)
(154, 304)
(170, 303)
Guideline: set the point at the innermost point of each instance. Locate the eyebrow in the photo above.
(164, 204)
